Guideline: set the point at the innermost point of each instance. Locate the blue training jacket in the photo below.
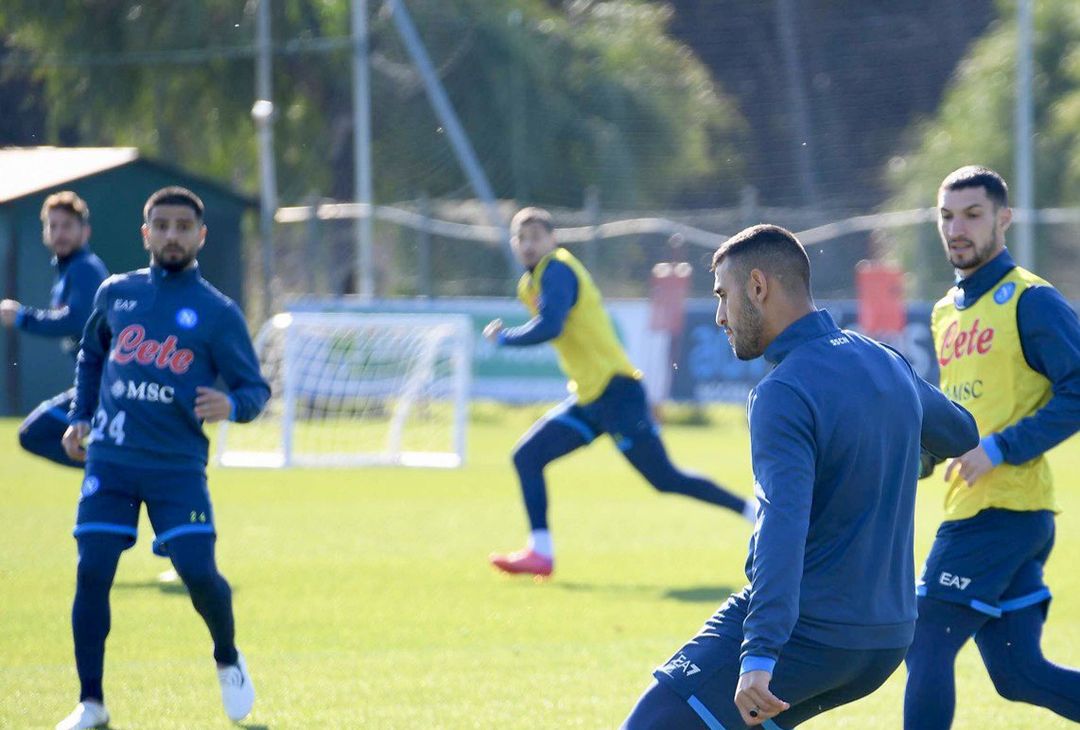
(153, 337)
(835, 434)
(72, 297)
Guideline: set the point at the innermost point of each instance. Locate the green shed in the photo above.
(114, 182)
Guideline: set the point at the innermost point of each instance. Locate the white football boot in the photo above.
(237, 691)
(88, 714)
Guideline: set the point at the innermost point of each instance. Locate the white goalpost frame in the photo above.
(455, 329)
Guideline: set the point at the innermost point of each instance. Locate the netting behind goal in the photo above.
(353, 389)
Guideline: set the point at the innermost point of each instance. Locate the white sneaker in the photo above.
(169, 577)
(237, 691)
(86, 715)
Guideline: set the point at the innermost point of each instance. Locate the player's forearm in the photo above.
(536, 331)
(774, 593)
(249, 401)
(60, 322)
(948, 430)
(1049, 426)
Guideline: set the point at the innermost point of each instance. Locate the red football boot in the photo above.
(525, 561)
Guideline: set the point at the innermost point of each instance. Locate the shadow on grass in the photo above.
(255, 727)
(700, 594)
(692, 594)
(174, 588)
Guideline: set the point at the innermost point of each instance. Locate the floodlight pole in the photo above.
(262, 112)
(364, 230)
(1024, 114)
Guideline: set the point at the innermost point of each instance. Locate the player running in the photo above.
(835, 433)
(1009, 349)
(606, 391)
(65, 222)
(155, 344)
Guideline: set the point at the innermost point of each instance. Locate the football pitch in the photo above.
(364, 599)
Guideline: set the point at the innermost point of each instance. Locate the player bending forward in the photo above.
(155, 344)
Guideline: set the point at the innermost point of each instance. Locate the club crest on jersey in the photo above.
(132, 344)
(187, 318)
(1004, 292)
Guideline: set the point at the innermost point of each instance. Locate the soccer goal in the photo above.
(353, 389)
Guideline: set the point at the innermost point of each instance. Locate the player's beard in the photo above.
(176, 264)
(746, 341)
(979, 254)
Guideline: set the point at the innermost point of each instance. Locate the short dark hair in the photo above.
(174, 195)
(69, 201)
(532, 215)
(772, 249)
(977, 176)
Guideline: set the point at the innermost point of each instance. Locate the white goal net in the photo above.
(351, 389)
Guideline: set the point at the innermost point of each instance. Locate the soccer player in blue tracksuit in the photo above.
(835, 435)
(1008, 346)
(65, 221)
(154, 347)
(605, 387)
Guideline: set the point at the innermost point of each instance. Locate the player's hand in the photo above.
(755, 702)
(8, 309)
(72, 441)
(494, 327)
(971, 466)
(211, 405)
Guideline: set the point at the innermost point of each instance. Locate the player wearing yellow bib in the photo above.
(1008, 345)
(606, 395)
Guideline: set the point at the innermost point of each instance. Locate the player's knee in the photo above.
(1015, 676)
(28, 439)
(97, 566)
(526, 459)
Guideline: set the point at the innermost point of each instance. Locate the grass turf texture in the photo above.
(363, 597)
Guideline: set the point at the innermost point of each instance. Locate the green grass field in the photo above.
(364, 598)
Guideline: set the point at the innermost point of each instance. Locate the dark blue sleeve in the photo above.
(948, 430)
(96, 339)
(68, 320)
(558, 293)
(784, 451)
(1050, 338)
(234, 359)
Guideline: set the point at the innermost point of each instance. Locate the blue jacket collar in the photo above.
(806, 328)
(159, 275)
(971, 288)
(63, 263)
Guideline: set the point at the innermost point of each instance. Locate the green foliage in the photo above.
(554, 99)
(975, 122)
(363, 598)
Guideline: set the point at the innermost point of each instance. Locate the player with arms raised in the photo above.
(157, 341)
(606, 391)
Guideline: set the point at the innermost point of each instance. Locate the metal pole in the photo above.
(263, 114)
(459, 141)
(427, 289)
(592, 247)
(1025, 162)
(365, 275)
(785, 17)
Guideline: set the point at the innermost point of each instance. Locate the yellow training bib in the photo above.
(983, 369)
(588, 349)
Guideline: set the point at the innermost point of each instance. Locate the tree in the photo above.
(554, 98)
(974, 125)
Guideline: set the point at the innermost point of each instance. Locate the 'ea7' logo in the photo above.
(681, 662)
(954, 581)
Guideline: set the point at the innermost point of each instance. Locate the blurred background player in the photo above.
(157, 340)
(606, 391)
(829, 611)
(1008, 345)
(65, 222)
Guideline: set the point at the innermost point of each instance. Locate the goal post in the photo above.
(358, 389)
